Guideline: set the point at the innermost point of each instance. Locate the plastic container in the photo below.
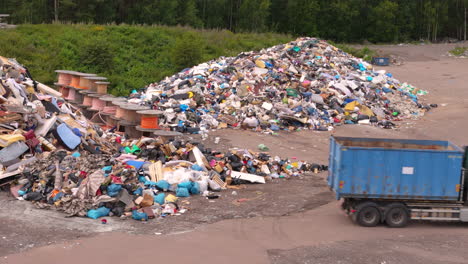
(395, 169)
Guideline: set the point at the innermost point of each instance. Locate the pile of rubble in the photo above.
(306, 83)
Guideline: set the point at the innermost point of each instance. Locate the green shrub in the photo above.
(96, 55)
(459, 51)
(187, 51)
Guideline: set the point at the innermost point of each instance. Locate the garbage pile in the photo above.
(146, 179)
(53, 156)
(306, 83)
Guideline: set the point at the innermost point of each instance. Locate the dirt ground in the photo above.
(284, 221)
(416, 250)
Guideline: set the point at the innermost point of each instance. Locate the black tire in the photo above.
(397, 216)
(368, 215)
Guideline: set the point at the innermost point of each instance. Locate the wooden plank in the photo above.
(156, 171)
(10, 174)
(220, 182)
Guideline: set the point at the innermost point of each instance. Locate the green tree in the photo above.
(187, 51)
(406, 20)
(341, 16)
(168, 12)
(189, 14)
(96, 55)
(302, 16)
(383, 27)
(253, 15)
(278, 19)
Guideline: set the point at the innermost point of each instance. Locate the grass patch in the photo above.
(459, 51)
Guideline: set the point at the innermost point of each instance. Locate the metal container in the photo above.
(380, 61)
(395, 169)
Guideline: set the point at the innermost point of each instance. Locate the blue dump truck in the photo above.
(393, 181)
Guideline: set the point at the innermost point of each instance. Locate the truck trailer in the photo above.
(393, 181)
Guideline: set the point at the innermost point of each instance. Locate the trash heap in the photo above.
(55, 154)
(146, 179)
(55, 157)
(306, 83)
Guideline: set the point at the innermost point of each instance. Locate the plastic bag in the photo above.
(170, 199)
(160, 198)
(114, 190)
(138, 191)
(182, 192)
(195, 188)
(214, 185)
(139, 216)
(100, 212)
(162, 185)
(185, 184)
(203, 185)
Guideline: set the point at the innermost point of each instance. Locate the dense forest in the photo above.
(338, 20)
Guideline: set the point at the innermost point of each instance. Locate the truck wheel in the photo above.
(368, 215)
(397, 216)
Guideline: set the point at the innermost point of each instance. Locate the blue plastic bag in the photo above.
(160, 198)
(184, 107)
(139, 216)
(138, 191)
(135, 163)
(185, 184)
(197, 167)
(163, 185)
(100, 212)
(58, 196)
(182, 192)
(114, 190)
(386, 90)
(195, 188)
(107, 169)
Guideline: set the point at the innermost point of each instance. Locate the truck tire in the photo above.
(368, 214)
(396, 215)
